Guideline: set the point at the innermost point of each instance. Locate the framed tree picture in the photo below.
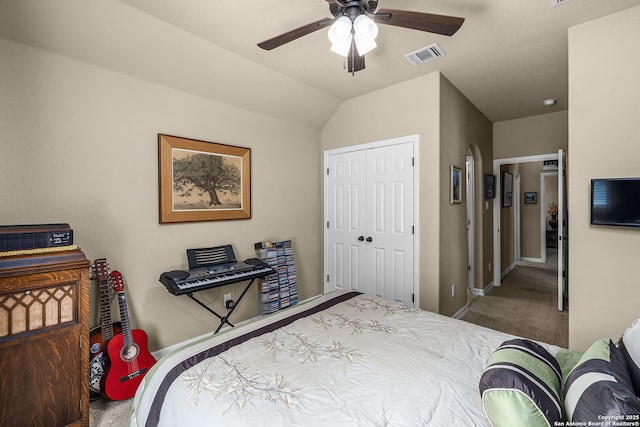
(203, 181)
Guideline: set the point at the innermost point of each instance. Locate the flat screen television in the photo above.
(615, 201)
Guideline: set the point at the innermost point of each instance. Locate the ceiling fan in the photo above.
(350, 30)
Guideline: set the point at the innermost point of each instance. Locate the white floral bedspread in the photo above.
(364, 361)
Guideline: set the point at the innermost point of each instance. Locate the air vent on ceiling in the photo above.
(555, 3)
(425, 54)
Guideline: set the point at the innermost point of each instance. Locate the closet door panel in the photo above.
(346, 221)
(390, 210)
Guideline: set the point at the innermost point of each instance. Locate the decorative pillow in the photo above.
(600, 386)
(522, 386)
(630, 346)
(567, 359)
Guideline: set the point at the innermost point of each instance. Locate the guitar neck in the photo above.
(105, 311)
(102, 273)
(124, 319)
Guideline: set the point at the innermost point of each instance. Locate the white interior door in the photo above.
(470, 223)
(389, 222)
(370, 222)
(517, 219)
(562, 233)
(346, 186)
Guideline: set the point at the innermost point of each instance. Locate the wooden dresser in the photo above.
(44, 336)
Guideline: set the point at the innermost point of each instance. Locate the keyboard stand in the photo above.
(223, 319)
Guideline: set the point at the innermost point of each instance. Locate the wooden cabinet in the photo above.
(44, 336)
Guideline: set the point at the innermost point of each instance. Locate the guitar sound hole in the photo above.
(129, 352)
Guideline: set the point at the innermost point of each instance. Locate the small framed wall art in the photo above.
(489, 186)
(530, 198)
(456, 185)
(203, 181)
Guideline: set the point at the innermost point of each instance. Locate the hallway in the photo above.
(526, 304)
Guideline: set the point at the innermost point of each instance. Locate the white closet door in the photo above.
(389, 219)
(346, 200)
(370, 233)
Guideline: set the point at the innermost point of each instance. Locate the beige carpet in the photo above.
(104, 413)
(526, 304)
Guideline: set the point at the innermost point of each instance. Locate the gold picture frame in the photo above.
(203, 181)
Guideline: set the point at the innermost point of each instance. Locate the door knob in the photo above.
(369, 239)
(361, 238)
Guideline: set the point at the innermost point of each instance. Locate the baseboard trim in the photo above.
(508, 270)
(527, 259)
(483, 291)
(461, 313)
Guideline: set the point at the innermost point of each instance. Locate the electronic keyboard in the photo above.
(212, 267)
(180, 282)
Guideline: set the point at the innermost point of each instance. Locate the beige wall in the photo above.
(604, 95)
(79, 145)
(463, 128)
(529, 136)
(58, 112)
(447, 124)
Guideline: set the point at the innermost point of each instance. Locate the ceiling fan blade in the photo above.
(355, 62)
(295, 34)
(438, 24)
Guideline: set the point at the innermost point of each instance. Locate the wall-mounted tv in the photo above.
(615, 201)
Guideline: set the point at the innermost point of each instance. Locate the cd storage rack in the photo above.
(278, 290)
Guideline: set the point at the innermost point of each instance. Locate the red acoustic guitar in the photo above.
(127, 356)
(99, 335)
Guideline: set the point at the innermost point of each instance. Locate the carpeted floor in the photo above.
(526, 304)
(103, 413)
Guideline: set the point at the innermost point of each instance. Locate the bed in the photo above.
(342, 359)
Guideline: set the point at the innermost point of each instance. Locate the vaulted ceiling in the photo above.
(508, 56)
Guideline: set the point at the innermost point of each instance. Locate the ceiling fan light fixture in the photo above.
(340, 35)
(364, 45)
(353, 30)
(365, 33)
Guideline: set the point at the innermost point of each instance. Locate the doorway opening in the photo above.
(520, 210)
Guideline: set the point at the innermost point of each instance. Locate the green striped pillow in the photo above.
(600, 386)
(522, 386)
(630, 346)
